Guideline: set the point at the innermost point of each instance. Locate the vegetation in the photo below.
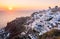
(53, 34)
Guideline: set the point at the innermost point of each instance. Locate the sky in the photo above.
(11, 9)
(29, 4)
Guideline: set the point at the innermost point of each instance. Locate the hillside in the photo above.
(33, 27)
(53, 34)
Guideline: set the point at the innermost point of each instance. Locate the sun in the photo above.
(10, 8)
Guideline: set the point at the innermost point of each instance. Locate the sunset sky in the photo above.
(28, 4)
(11, 9)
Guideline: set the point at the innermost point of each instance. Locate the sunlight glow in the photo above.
(29, 4)
(10, 8)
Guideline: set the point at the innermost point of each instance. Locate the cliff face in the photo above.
(16, 26)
